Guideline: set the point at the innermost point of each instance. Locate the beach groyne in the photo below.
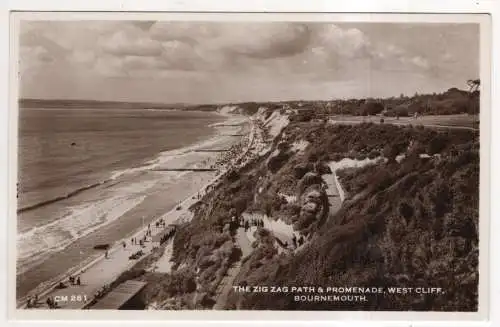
(185, 169)
(212, 150)
(49, 288)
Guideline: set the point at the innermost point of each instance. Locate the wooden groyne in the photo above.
(184, 169)
(232, 125)
(212, 150)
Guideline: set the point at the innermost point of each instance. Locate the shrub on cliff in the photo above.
(308, 180)
(416, 224)
(276, 161)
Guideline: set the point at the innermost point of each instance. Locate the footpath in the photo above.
(335, 196)
(103, 271)
(226, 284)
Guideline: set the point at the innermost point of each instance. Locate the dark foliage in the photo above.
(414, 223)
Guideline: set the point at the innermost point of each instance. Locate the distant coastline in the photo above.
(450, 102)
(90, 104)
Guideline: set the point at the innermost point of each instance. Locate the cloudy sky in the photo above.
(208, 62)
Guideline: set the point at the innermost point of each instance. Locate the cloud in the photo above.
(348, 43)
(243, 60)
(264, 41)
(110, 66)
(394, 58)
(187, 32)
(420, 62)
(32, 58)
(39, 53)
(261, 40)
(130, 43)
(447, 57)
(182, 56)
(83, 56)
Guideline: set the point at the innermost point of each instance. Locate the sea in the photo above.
(82, 170)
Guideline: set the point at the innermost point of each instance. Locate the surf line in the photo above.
(62, 197)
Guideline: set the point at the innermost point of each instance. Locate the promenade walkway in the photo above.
(104, 271)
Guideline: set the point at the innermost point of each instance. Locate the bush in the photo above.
(373, 154)
(371, 108)
(277, 161)
(301, 169)
(436, 145)
(405, 210)
(400, 112)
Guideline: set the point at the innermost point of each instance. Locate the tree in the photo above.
(473, 85)
(372, 108)
(473, 90)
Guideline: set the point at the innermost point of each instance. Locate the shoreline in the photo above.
(173, 154)
(108, 180)
(113, 174)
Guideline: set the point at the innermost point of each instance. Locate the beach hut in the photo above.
(123, 297)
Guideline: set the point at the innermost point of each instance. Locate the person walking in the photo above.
(106, 254)
(78, 281)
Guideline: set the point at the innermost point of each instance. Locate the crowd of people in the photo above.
(161, 223)
(72, 281)
(75, 280)
(167, 235)
(297, 242)
(227, 157)
(255, 222)
(52, 304)
(246, 224)
(32, 302)
(140, 241)
(101, 292)
(136, 255)
(224, 159)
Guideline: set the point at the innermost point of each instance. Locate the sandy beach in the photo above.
(166, 191)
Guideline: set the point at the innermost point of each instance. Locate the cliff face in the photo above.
(417, 228)
(411, 222)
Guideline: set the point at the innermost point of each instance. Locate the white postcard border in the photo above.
(485, 227)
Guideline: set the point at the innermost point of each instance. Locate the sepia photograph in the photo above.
(283, 165)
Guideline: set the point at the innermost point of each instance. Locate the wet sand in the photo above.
(166, 193)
